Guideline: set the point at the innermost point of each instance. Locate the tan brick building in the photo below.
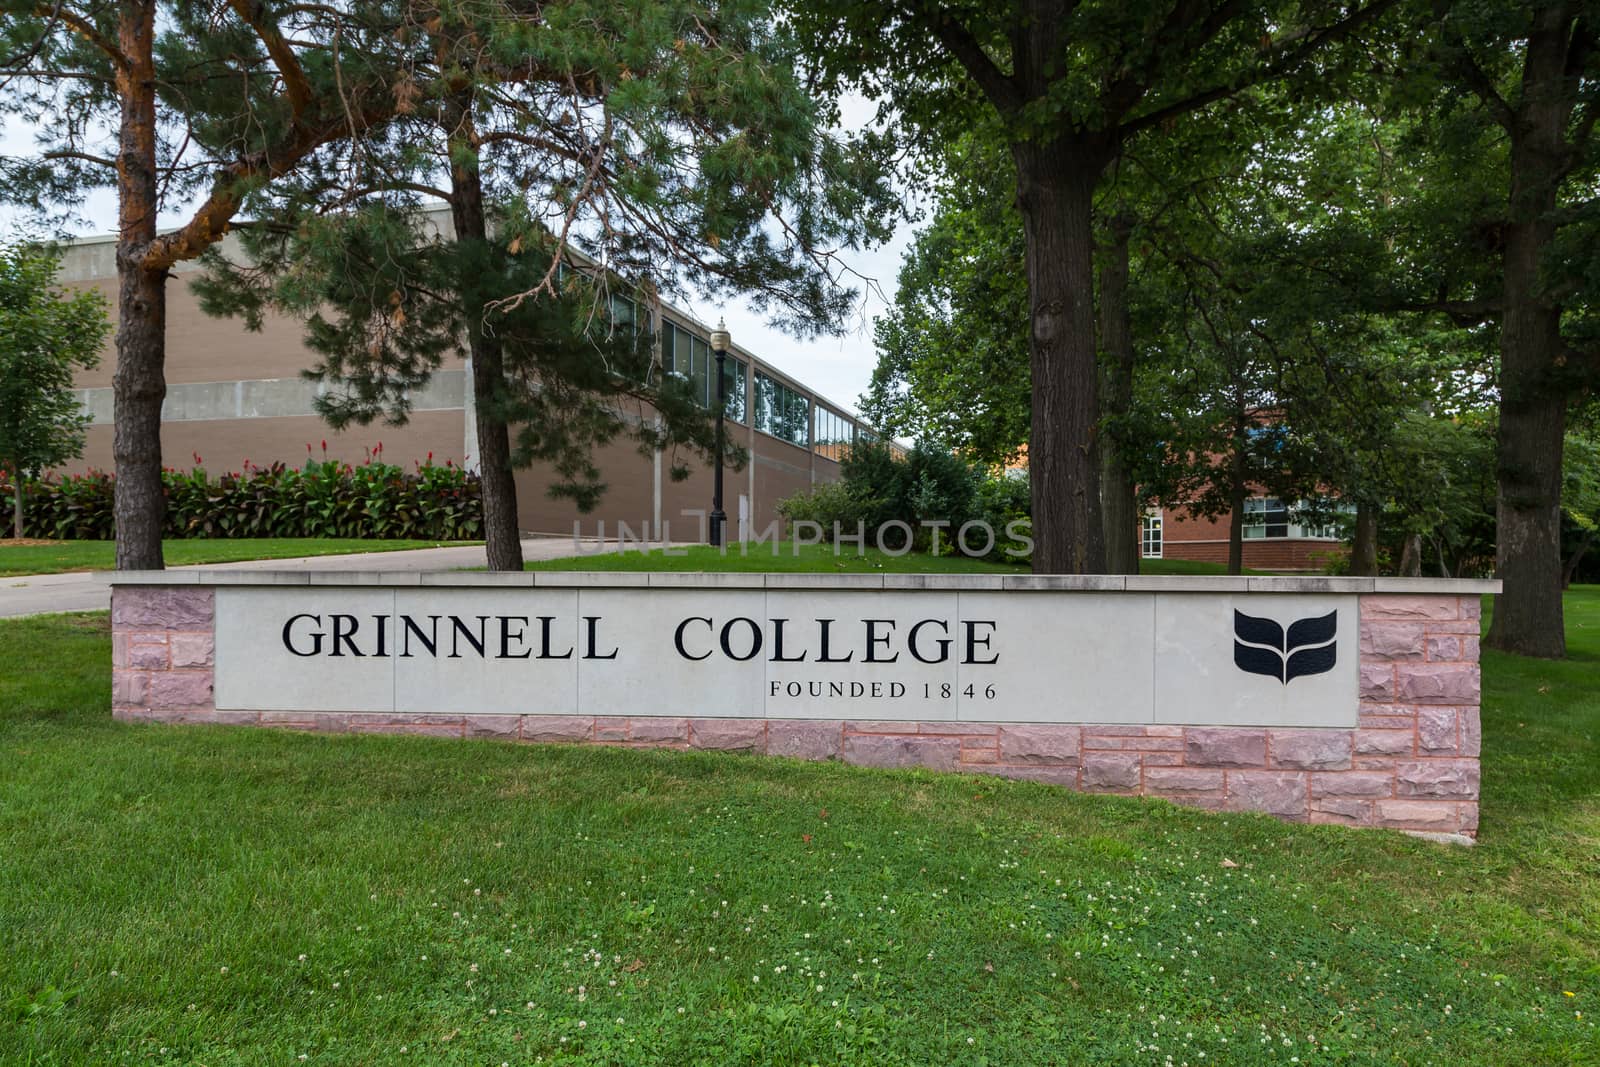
(235, 396)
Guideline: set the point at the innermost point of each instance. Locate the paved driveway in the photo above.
(40, 594)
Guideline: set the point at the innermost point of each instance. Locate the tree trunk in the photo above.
(501, 536)
(139, 385)
(1364, 545)
(1118, 495)
(16, 501)
(1533, 413)
(1238, 492)
(1055, 194)
(1411, 557)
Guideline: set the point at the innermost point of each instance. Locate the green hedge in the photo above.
(323, 499)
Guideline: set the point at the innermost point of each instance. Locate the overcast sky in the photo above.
(839, 368)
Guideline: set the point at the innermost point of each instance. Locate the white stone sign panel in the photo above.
(737, 649)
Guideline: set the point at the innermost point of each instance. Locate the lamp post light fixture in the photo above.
(719, 345)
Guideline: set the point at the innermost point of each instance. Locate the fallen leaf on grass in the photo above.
(636, 965)
(1229, 863)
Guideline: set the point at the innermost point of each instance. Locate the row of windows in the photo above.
(834, 434)
(1267, 517)
(783, 412)
(1264, 518)
(690, 357)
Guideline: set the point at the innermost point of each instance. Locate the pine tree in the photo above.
(173, 104)
(671, 144)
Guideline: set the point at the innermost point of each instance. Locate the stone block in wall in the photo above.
(659, 731)
(1316, 750)
(1274, 792)
(180, 689)
(1377, 681)
(1453, 778)
(1438, 731)
(805, 739)
(1436, 683)
(728, 735)
(1111, 771)
(1325, 784)
(1058, 745)
(498, 727)
(902, 750)
(1426, 815)
(557, 728)
(1410, 608)
(1163, 781)
(1225, 747)
(162, 609)
(1394, 640)
(192, 650)
(1386, 742)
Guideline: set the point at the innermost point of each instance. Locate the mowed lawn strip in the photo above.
(57, 557)
(234, 896)
(787, 557)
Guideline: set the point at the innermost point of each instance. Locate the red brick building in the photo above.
(1273, 538)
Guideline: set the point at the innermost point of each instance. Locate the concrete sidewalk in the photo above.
(41, 594)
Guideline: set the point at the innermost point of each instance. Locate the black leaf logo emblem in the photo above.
(1261, 647)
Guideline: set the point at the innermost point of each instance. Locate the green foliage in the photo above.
(325, 498)
(832, 503)
(931, 484)
(45, 335)
(953, 347)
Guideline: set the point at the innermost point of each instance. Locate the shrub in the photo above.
(325, 498)
(827, 504)
(928, 485)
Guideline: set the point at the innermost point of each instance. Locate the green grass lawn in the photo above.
(205, 895)
(786, 557)
(101, 555)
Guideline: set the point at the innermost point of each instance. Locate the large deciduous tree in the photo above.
(45, 334)
(1528, 75)
(178, 107)
(1493, 229)
(1069, 82)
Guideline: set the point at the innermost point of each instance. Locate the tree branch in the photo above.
(1124, 93)
(1483, 87)
(296, 86)
(1291, 52)
(999, 87)
(57, 12)
(212, 219)
(84, 156)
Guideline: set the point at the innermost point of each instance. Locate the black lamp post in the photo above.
(719, 345)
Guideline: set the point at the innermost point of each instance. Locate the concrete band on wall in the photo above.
(1410, 761)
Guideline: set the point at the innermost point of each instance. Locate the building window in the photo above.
(783, 412)
(833, 436)
(1150, 535)
(1265, 517)
(1321, 520)
(688, 357)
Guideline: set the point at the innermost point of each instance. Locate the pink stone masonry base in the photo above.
(1410, 764)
